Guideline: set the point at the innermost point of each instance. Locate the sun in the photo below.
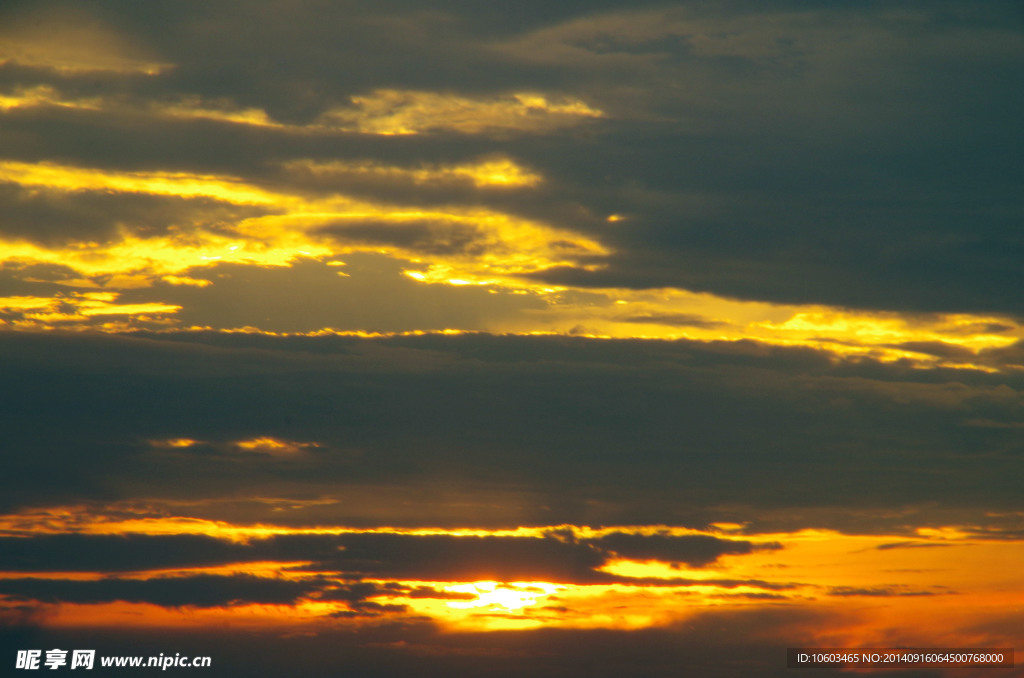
(508, 596)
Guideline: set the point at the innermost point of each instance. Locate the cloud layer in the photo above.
(450, 338)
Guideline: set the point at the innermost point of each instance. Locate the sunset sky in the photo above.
(563, 338)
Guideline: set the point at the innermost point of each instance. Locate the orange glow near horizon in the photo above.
(870, 583)
(904, 622)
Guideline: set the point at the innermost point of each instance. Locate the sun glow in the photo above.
(815, 569)
(508, 596)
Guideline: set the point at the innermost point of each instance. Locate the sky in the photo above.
(569, 339)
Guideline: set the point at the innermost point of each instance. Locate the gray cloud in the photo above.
(882, 592)
(122, 553)
(909, 545)
(377, 556)
(672, 319)
(565, 430)
(696, 550)
(448, 558)
(197, 590)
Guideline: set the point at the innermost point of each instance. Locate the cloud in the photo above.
(52, 217)
(177, 184)
(394, 112)
(496, 172)
(430, 592)
(336, 565)
(645, 435)
(128, 229)
(115, 553)
(797, 166)
(909, 545)
(707, 643)
(446, 558)
(193, 591)
(695, 550)
(809, 211)
(884, 592)
(775, 175)
(71, 40)
(674, 319)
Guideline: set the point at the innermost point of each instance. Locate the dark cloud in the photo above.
(110, 553)
(376, 556)
(430, 592)
(694, 550)
(909, 545)
(579, 431)
(936, 348)
(30, 279)
(438, 238)
(881, 592)
(672, 319)
(193, 591)
(348, 558)
(448, 558)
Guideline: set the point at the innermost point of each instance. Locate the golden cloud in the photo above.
(497, 172)
(450, 245)
(390, 112)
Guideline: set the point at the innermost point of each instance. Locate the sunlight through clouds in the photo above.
(545, 339)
